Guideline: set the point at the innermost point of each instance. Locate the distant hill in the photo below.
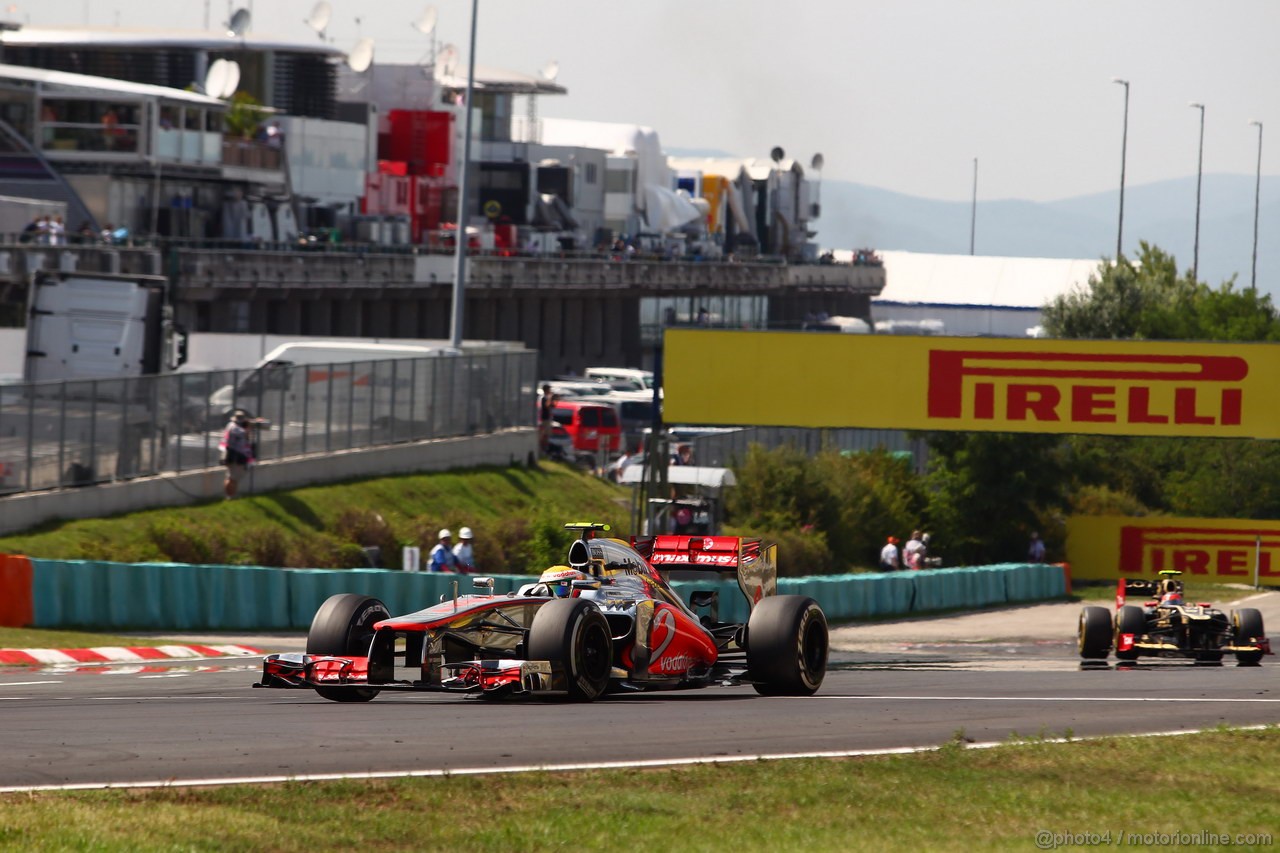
(857, 216)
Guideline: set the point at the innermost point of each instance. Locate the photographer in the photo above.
(237, 449)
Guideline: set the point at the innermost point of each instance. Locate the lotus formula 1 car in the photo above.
(608, 621)
(1168, 626)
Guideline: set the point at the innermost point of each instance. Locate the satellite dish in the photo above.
(426, 22)
(361, 56)
(817, 162)
(550, 70)
(447, 60)
(215, 79)
(777, 154)
(318, 20)
(232, 82)
(240, 22)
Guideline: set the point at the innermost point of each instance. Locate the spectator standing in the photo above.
(236, 449)
(545, 405)
(463, 553)
(683, 455)
(442, 558)
(1035, 552)
(913, 551)
(889, 555)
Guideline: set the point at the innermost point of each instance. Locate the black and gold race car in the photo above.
(1166, 625)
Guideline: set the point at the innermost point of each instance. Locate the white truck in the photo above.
(99, 326)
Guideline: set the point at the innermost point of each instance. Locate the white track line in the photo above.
(1049, 698)
(567, 768)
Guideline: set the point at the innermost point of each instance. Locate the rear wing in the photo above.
(1136, 586)
(754, 563)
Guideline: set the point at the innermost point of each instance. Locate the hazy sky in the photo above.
(900, 94)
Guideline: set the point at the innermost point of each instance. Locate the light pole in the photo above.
(1195, 258)
(1257, 194)
(1124, 145)
(973, 210)
(460, 253)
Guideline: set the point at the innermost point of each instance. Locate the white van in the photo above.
(642, 380)
(309, 381)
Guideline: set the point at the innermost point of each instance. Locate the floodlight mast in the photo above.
(460, 240)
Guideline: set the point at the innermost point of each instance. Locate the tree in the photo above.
(987, 492)
(1146, 299)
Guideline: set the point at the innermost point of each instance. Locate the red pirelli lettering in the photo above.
(989, 376)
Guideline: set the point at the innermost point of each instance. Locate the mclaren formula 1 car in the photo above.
(608, 621)
(1166, 625)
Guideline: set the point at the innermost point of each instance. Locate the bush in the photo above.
(179, 542)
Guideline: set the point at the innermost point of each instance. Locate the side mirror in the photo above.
(482, 583)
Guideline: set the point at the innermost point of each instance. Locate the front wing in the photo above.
(500, 677)
(493, 678)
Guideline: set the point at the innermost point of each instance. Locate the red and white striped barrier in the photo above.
(120, 654)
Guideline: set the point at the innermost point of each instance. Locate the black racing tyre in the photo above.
(1247, 625)
(573, 633)
(344, 626)
(1093, 637)
(1130, 620)
(787, 644)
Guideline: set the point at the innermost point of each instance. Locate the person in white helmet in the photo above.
(442, 559)
(462, 552)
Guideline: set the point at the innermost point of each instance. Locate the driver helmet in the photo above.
(559, 580)
(1173, 597)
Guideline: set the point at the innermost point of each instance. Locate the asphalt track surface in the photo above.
(203, 722)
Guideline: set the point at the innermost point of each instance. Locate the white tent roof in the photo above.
(925, 279)
(113, 37)
(64, 81)
(684, 475)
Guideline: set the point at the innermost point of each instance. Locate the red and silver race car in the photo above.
(608, 621)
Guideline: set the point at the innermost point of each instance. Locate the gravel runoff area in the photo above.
(1021, 623)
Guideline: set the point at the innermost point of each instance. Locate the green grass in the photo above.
(517, 514)
(949, 799)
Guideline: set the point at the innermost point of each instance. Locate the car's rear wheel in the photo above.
(1247, 624)
(573, 633)
(343, 626)
(787, 644)
(1093, 637)
(1130, 620)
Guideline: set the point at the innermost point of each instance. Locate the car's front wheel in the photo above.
(1093, 637)
(787, 645)
(1130, 620)
(573, 633)
(1247, 625)
(343, 626)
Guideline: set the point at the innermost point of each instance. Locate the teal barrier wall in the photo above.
(176, 596)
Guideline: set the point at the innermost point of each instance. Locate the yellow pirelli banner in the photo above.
(810, 379)
(1218, 549)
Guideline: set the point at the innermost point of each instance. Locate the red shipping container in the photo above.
(422, 139)
(393, 167)
(372, 200)
(428, 212)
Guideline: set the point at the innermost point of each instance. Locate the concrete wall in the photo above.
(511, 447)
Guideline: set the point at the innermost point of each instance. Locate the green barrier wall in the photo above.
(176, 596)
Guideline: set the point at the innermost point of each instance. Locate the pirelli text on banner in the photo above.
(1159, 388)
(1222, 550)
